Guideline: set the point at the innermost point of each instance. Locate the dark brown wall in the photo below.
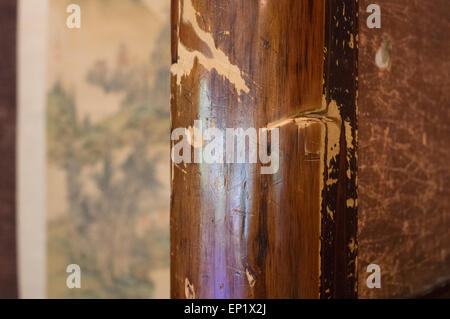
(404, 156)
(8, 282)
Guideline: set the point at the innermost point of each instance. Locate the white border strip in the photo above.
(31, 186)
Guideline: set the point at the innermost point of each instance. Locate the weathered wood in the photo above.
(8, 272)
(339, 206)
(240, 64)
(404, 172)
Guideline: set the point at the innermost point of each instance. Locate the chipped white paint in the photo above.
(219, 60)
(251, 279)
(279, 123)
(351, 43)
(189, 290)
(330, 213)
(383, 55)
(350, 145)
(350, 203)
(352, 245)
(381, 59)
(333, 132)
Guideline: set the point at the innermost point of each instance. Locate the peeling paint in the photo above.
(219, 60)
(351, 43)
(330, 213)
(350, 145)
(189, 290)
(279, 123)
(250, 277)
(383, 55)
(350, 202)
(352, 245)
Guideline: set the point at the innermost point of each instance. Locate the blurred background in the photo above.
(93, 154)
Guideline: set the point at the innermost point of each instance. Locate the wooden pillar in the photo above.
(273, 64)
(8, 277)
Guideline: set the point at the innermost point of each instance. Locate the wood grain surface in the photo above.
(236, 233)
(339, 243)
(8, 272)
(404, 171)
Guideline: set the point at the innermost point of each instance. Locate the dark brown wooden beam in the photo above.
(339, 243)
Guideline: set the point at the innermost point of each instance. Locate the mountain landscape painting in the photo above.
(108, 173)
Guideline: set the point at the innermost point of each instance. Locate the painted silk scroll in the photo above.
(107, 152)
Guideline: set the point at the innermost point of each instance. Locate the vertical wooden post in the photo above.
(274, 64)
(8, 277)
